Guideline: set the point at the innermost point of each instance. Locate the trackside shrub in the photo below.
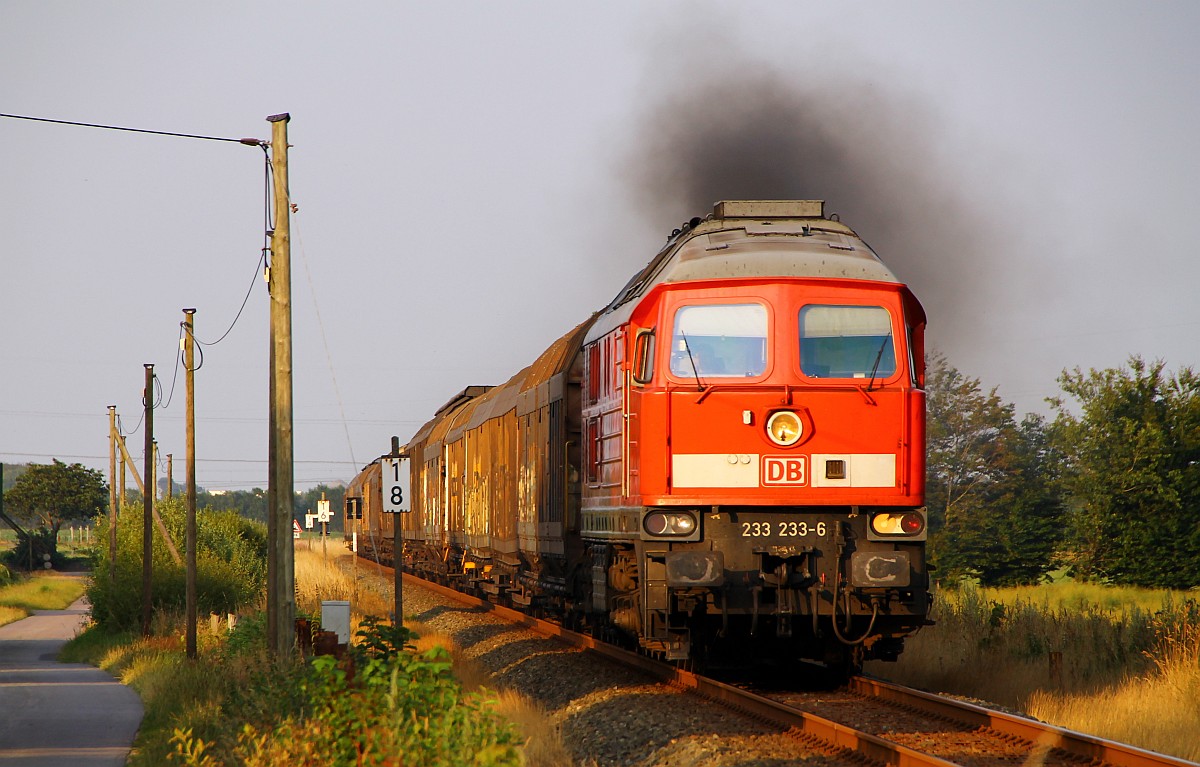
(231, 565)
(384, 705)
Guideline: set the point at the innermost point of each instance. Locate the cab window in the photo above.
(846, 342)
(719, 341)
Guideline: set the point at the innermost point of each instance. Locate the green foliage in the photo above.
(31, 550)
(993, 508)
(230, 565)
(1133, 473)
(44, 497)
(248, 637)
(963, 432)
(93, 645)
(384, 705)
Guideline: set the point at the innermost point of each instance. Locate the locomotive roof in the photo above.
(760, 238)
(746, 239)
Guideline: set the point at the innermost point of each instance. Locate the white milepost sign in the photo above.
(394, 475)
(323, 511)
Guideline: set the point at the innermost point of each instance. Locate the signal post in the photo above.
(394, 481)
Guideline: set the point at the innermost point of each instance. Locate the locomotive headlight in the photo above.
(671, 523)
(907, 524)
(784, 428)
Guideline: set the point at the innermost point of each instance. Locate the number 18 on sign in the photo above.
(394, 473)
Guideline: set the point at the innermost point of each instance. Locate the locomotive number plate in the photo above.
(788, 528)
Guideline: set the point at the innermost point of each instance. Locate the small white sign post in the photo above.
(395, 479)
(323, 516)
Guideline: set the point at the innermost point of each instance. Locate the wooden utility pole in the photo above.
(152, 477)
(148, 503)
(124, 470)
(272, 535)
(189, 367)
(112, 492)
(281, 632)
(170, 473)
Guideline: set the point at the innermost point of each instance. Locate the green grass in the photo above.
(92, 646)
(40, 592)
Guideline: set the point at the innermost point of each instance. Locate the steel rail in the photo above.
(791, 720)
(1040, 734)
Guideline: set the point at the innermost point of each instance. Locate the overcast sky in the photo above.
(473, 179)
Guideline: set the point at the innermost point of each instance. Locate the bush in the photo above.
(43, 542)
(388, 705)
(230, 566)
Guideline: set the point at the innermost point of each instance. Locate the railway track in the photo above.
(868, 719)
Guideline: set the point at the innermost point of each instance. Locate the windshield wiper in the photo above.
(878, 357)
(688, 348)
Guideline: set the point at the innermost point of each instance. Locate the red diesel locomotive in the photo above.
(729, 458)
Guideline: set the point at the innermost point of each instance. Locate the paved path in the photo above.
(59, 714)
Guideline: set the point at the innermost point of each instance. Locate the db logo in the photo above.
(785, 470)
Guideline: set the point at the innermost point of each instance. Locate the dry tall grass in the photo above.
(1110, 662)
(11, 615)
(321, 577)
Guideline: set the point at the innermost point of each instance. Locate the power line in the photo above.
(338, 461)
(325, 341)
(219, 418)
(246, 141)
(258, 268)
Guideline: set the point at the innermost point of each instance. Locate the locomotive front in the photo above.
(754, 446)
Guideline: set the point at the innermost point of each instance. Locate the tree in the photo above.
(1132, 471)
(994, 513)
(962, 433)
(48, 496)
(1013, 537)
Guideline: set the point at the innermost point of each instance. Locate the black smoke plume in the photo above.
(746, 131)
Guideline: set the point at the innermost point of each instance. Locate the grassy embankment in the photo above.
(40, 592)
(322, 578)
(233, 706)
(1118, 663)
